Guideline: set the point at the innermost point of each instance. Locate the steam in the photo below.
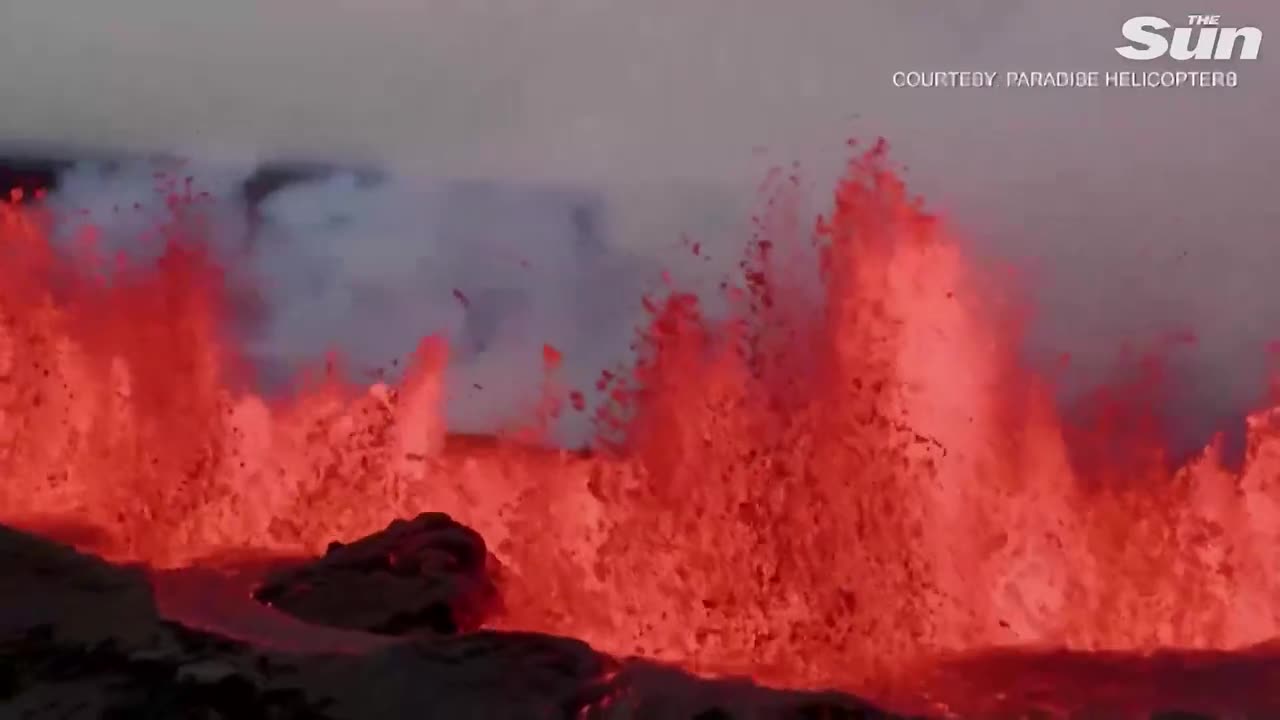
(500, 270)
(365, 266)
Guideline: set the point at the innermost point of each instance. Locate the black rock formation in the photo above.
(81, 638)
(425, 574)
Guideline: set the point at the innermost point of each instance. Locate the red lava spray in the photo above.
(820, 490)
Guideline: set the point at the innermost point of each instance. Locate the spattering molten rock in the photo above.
(821, 490)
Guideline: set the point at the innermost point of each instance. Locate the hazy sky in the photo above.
(1133, 209)
(601, 88)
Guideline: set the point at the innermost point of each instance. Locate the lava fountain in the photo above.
(823, 489)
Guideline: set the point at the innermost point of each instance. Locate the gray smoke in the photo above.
(366, 265)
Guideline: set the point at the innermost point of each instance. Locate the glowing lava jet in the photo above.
(823, 489)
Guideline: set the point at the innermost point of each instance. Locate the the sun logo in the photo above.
(1211, 42)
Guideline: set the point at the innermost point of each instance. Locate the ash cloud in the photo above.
(366, 264)
(500, 269)
(1129, 214)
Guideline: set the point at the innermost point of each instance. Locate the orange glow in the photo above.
(820, 491)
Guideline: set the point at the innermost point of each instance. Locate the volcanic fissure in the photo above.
(822, 490)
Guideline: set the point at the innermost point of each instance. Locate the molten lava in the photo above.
(821, 490)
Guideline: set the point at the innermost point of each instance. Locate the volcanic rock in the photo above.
(428, 574)
(81, 638)
(80, 599)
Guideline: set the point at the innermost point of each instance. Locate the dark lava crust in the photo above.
(82, 638)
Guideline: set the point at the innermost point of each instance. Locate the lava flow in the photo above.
(838, 481)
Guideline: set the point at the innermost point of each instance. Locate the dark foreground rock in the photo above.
(426, 574)
(1168, 684)
(80, 638)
